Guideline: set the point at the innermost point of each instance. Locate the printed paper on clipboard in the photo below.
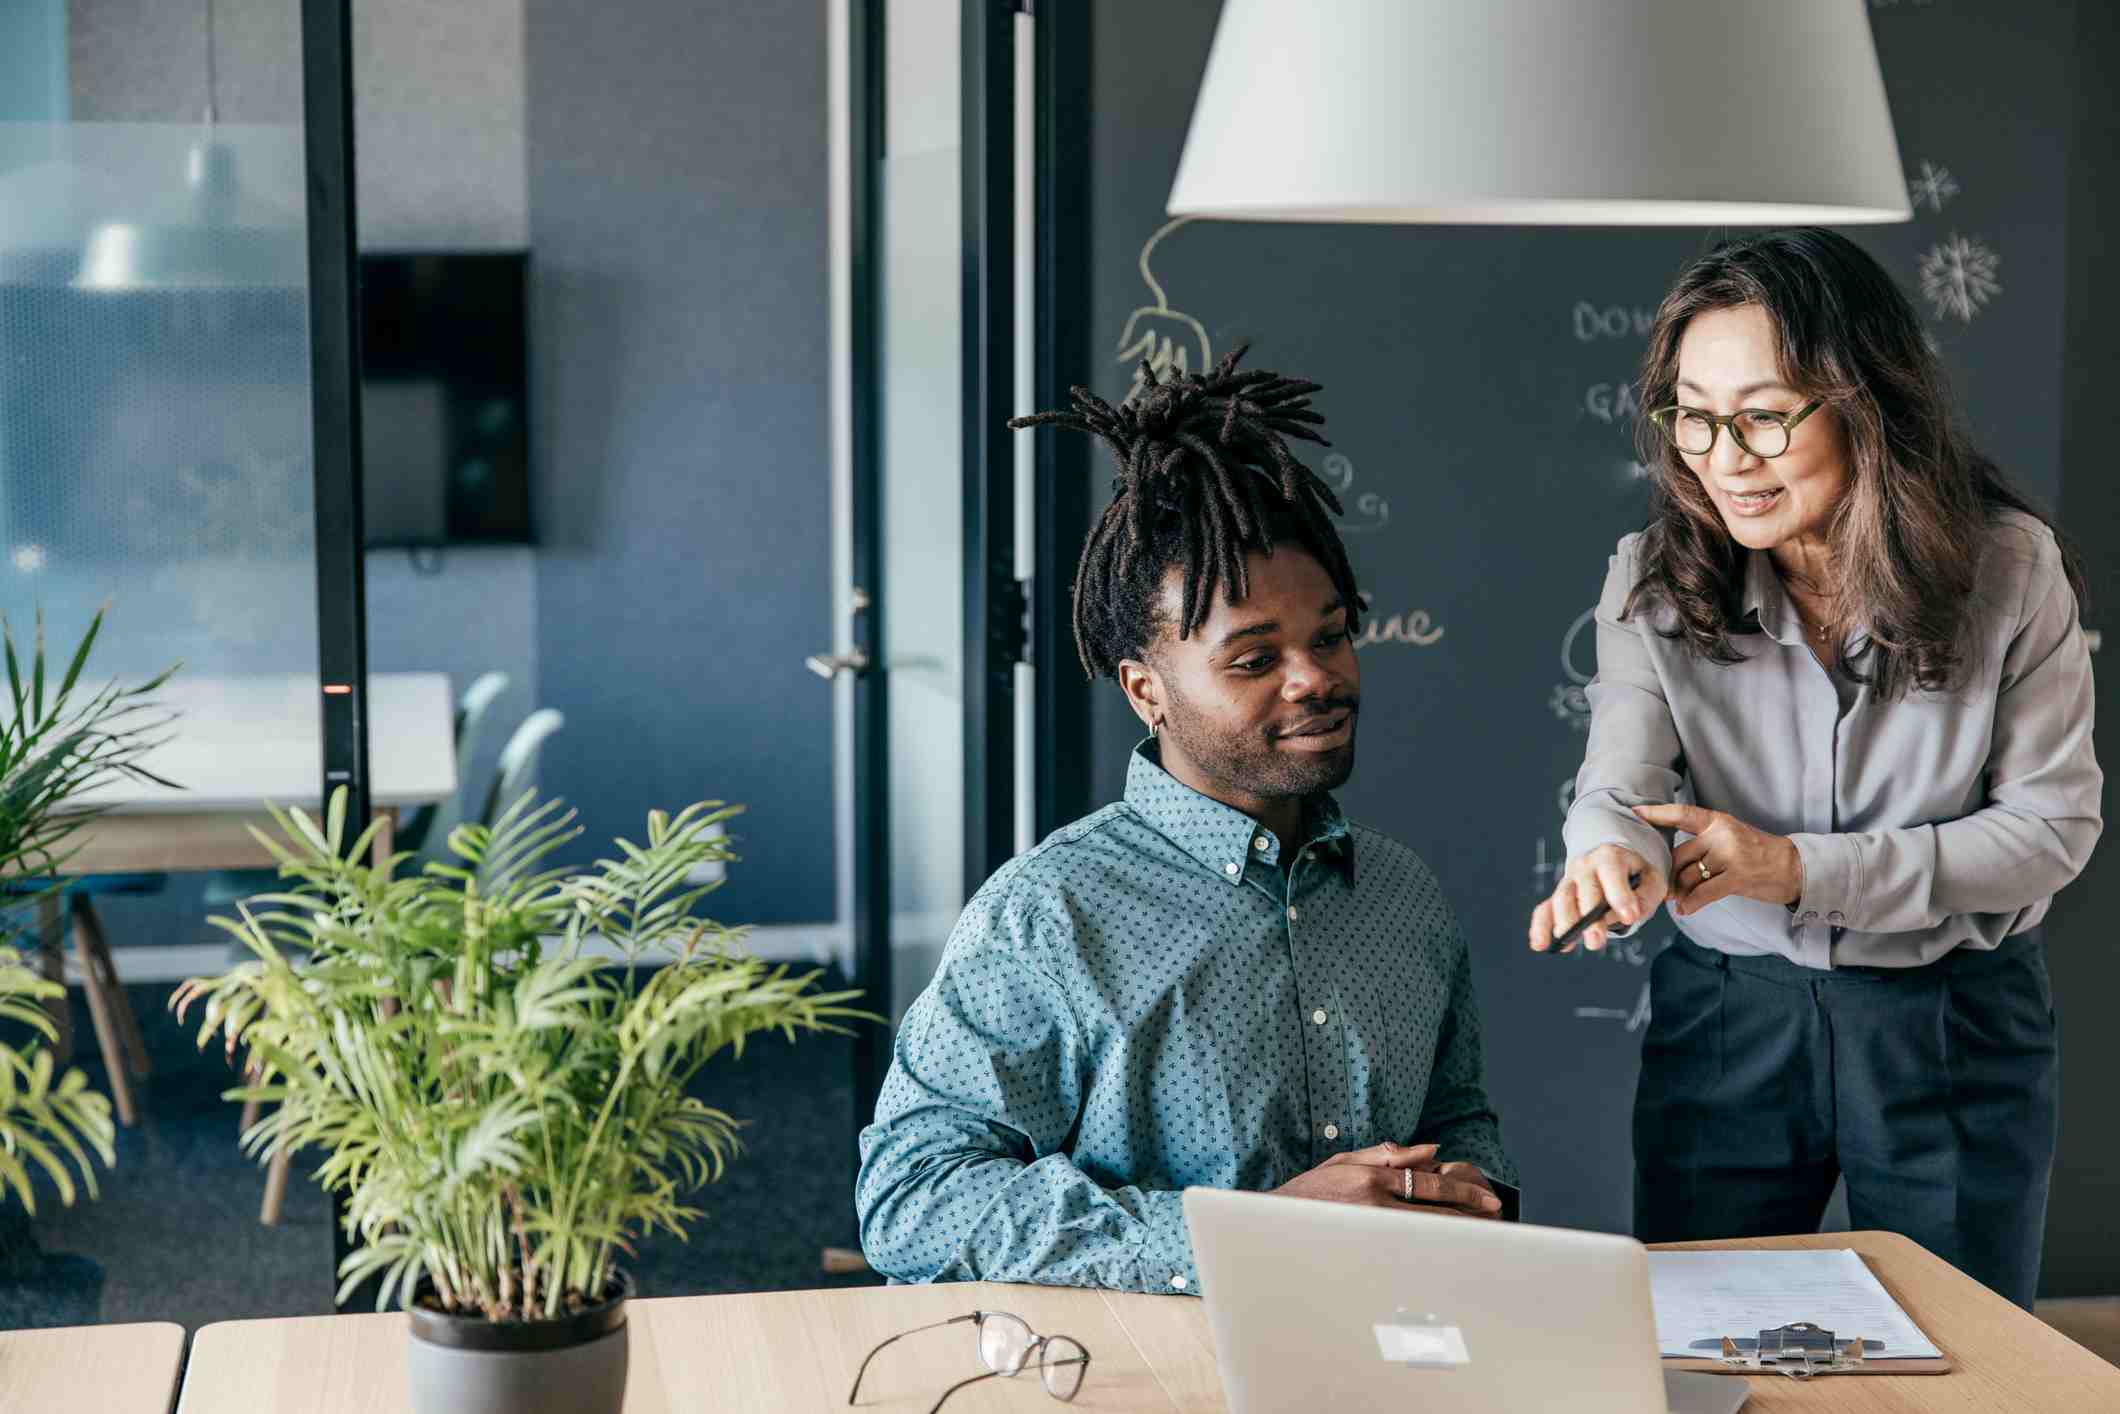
(1700, 1297)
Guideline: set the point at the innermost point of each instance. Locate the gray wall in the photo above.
(677, 197)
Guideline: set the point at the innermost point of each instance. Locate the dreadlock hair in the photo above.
(1205, 478)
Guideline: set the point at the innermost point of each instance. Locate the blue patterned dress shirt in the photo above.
(1148, 1001)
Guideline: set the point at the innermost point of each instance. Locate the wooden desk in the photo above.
(799, 1350)
(91, 1369)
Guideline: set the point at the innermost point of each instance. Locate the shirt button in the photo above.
(1332, 1131)
(1232, 868)
(1318, 1016)
(1179, 1283)
(1291, 913)
(1259, 844)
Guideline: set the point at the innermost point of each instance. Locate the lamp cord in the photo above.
(212, 78)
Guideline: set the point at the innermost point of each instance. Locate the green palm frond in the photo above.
(503, 1108)
(47, 1117)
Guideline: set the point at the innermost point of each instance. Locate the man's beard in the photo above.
(1246, 762)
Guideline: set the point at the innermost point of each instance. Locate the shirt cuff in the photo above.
(1831, 864)
(1603, 822)
(1166, 1256)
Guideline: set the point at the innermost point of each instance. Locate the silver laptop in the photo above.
(1331, 1306)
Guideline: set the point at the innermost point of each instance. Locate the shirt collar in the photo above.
(1221, 836)
(1767, 603)
(1767, 600)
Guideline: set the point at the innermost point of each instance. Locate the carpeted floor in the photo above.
(2090, 1321)
(175, 1235)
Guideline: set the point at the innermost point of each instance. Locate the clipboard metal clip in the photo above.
(1799, 1351)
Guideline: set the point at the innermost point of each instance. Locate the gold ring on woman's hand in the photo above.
(1409, 1183)
(1705, 874)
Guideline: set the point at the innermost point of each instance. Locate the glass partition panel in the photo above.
(922, 466)
(156, 463)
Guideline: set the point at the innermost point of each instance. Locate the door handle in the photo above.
(830, 665)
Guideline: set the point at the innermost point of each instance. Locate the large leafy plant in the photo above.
(56, 745)
(493, 1057)
(46, 1117)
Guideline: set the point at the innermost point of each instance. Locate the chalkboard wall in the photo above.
(1478, 389)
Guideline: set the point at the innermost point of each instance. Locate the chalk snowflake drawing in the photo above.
(1166, 337)
(1958, 277)
(1932, 188)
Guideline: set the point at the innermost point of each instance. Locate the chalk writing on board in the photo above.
(1545, 871)
(1365, 510)
(1568, 701)
(1415, 628)
(1634, 954)
(1959, 277)
(1932, 187)
(1168, 339)
(1612, 402)
(1612, 321)
(1635, 1018)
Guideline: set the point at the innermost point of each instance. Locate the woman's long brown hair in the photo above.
(1907, 536)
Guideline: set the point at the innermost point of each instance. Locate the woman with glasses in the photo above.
(1842, 724)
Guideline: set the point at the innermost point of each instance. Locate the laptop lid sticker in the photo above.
(1427, 1347)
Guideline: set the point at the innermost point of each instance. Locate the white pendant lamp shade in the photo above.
(1552, 112)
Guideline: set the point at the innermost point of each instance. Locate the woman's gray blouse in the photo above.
(1936, 821)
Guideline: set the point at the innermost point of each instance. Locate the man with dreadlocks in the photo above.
(1218, 980)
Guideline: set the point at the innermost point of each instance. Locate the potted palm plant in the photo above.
(57, 744)
(492, 1058)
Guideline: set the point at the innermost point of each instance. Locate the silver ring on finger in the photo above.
(1705, 873)
(1408, 1175)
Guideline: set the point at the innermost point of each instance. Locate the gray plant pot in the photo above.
(575, 1364)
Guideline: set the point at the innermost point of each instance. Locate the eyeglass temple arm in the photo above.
(989, 1375)
(938, 1325)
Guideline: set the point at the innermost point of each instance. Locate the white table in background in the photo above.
(238, 742)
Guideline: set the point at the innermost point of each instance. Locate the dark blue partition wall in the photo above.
(680, 315)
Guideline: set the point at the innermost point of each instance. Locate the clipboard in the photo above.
(1803, 1351)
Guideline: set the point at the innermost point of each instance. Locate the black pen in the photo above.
(1592, 916)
